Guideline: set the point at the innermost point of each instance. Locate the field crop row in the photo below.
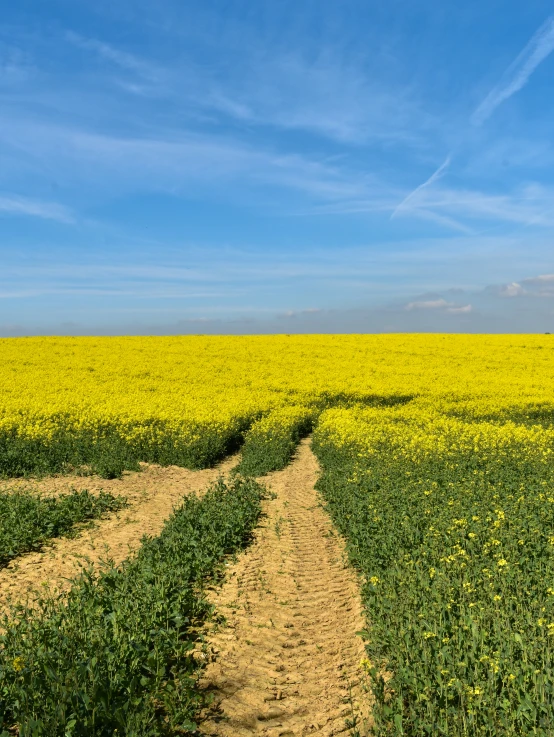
(451, 526)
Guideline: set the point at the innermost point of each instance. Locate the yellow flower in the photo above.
(18, 664)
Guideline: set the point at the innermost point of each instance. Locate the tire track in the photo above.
(287, 660)
(152, 495)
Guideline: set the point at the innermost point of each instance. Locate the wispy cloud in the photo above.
(325, 94)
(514, 79)
(516, 76)
(13, 205)
(330, 97)
(532, 205)
(117, 56)
(177, 160)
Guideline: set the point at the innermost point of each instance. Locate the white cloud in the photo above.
(511, 290)
(438, 305)
(534, 286)
(433, 178)
(540, 286)
(539, 280)
(298, 313)
(432, 304)
(516, 76)
(123, 59)
(14, 205)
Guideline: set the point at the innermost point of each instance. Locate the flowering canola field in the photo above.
(437, 467)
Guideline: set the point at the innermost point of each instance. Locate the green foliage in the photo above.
(270, 443)
(457, 561)
(110, 454)
(28, 520)
(114, 656)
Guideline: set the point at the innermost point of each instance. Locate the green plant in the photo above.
(115, 655)
(455, 546)
(28, 520)
(108, 454)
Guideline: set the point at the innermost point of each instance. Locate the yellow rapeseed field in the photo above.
(437, 459)
(182, 385)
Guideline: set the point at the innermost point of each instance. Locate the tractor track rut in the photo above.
(152, 495)
(286, 658)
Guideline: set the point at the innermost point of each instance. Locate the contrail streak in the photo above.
(516, 76)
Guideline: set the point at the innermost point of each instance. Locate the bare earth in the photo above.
(287, 659)
(152, 495)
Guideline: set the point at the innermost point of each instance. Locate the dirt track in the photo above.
(152, 494)
(287, 660)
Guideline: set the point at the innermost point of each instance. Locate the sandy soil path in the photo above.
(287, 660)
(152, 495)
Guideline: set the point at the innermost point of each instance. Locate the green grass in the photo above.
(457, 561)
(27, 520)
(114, 656)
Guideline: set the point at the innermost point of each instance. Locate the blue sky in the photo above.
(195, 166)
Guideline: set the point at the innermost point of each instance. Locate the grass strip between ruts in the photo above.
(271, 441)
(27, 520)
(114, 656)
